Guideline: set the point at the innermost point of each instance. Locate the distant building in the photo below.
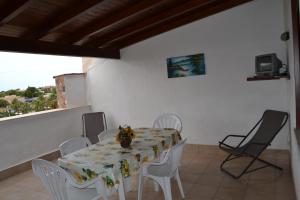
(47, 89)
(70, 90)
(27, 100)
(10, 98)
(22, 99)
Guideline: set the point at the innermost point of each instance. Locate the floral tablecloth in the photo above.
(110, 161)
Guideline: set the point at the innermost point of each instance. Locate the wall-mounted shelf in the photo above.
(263, 78)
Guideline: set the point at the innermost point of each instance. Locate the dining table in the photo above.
(112, 164)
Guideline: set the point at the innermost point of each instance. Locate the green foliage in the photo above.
(20, 93)
(19, 107)
(25, 108)
(16, 106)
(52, 101)
(2, 94)
(3, 103)
(31, 92)
(6, 114)
(39, 104)
(16, 92)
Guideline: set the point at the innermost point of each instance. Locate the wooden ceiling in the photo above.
(95, 28)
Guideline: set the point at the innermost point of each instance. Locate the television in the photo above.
(267, 65)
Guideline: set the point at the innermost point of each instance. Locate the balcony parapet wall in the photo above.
(28, 136)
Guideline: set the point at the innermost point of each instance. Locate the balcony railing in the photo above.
(28, 136)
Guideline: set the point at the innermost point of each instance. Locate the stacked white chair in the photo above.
(168, 120)
(73, 144)
(62, 186)
(162, 172)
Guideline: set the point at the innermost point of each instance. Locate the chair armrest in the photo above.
(163, 159)
(163, 155)
(240, 136)
(153, 164)
(243, 136)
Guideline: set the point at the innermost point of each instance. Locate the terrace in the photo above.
(125, 46)
(201, 177)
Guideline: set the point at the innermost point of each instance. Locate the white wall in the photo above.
(28, 137)
(75, 86)
(135, 89)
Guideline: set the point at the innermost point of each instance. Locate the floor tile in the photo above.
(201, 178)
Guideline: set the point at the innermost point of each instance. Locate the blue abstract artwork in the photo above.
(183, 66)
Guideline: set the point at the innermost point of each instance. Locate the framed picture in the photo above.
(183, 66)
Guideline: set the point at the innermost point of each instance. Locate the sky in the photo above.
(18, 70)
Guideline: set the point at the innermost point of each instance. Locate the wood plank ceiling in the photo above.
(95, 28)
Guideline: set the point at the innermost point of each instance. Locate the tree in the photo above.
(16, 92)
(3, 103)
(2, 94)
(20, 93)
(5, 114)
(25, 108)
(39, 104)
(52, 101)
(16, 106)
(31, 92)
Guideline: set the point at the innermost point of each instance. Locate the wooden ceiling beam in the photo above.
(218, 6)
(148, 22)
(64, 18)
(103, 22)
(12, 9)
(10, 44)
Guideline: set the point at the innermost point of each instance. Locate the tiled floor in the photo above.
(201, 177)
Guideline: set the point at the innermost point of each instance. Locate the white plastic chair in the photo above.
(162, 172)
(62, 186)
(73, 144)
(168, 120)
(106, 134)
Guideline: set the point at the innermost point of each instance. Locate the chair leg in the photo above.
(163, 183)
(100, 187)
(167, 184)
(224, 170)
(156, 186)
(127, 184)
(140, 187)
(271, 164)
(242, 173)
(179, 183)
(121, 190)
(246, 170)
